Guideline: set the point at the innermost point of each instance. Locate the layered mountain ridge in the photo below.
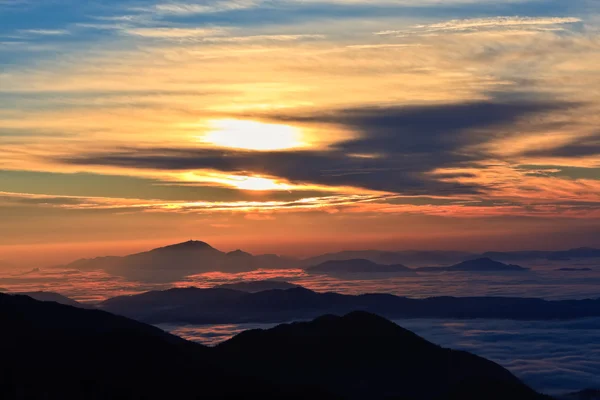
(97, 355)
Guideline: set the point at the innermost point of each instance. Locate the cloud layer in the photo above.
(459, 109)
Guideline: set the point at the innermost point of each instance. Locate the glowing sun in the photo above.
(257, 183)
(252, 135)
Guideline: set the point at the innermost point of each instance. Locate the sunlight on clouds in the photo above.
(173, 33)
(261, 183)
(255, 183)
(252, 135)
(200, 100)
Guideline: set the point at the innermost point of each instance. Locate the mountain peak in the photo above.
(239, 253)
(189, 245)
(485, 264)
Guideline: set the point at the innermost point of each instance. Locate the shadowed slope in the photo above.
(365, 356)
(52, 351)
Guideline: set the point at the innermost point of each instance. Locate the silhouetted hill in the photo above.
(428, 258)
(582, 252)
(587, 394)
(257, 286)
(363, 356)
(52, 351)
(214, 306)
(358, 266)
(406, 257)
(574, 269)
(173, 300)
(239, 253)
(51, 296)
(171, 263)
(477, 265)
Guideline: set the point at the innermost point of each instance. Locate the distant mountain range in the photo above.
(223, 306)
(574, 269)
(358, 266)
(581, 252)
(52, 351)
(407, 257)
(172, 263)
(477, 265)
(258, 286)
(440, 258)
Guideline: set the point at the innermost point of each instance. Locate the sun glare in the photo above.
(256, 183)
(252, 135)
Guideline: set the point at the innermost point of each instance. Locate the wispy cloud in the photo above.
(174, 33)
(139, 205)
(45, 32)
(203, 8)
(478, 24)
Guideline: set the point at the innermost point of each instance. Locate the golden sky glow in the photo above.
(351, 118)
(252, 135)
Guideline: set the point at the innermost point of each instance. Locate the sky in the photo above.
(298, 126)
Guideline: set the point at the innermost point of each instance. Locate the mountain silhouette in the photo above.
(574, 269)
(405, 257)
(52, 351)
(363, 356)
(174, 262)
(223, 306)
(478, 265)
(358, 266)
(190, 245)
(587, 394)
(258, 286)
(51, 296)
(577, 253)
(149, 304)
(171, 263)
(443, 258)
(57, 352)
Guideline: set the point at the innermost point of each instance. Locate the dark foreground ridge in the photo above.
(53, 351)
(218, 305)
(587, 394)
(364, 356)
(57, 352)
